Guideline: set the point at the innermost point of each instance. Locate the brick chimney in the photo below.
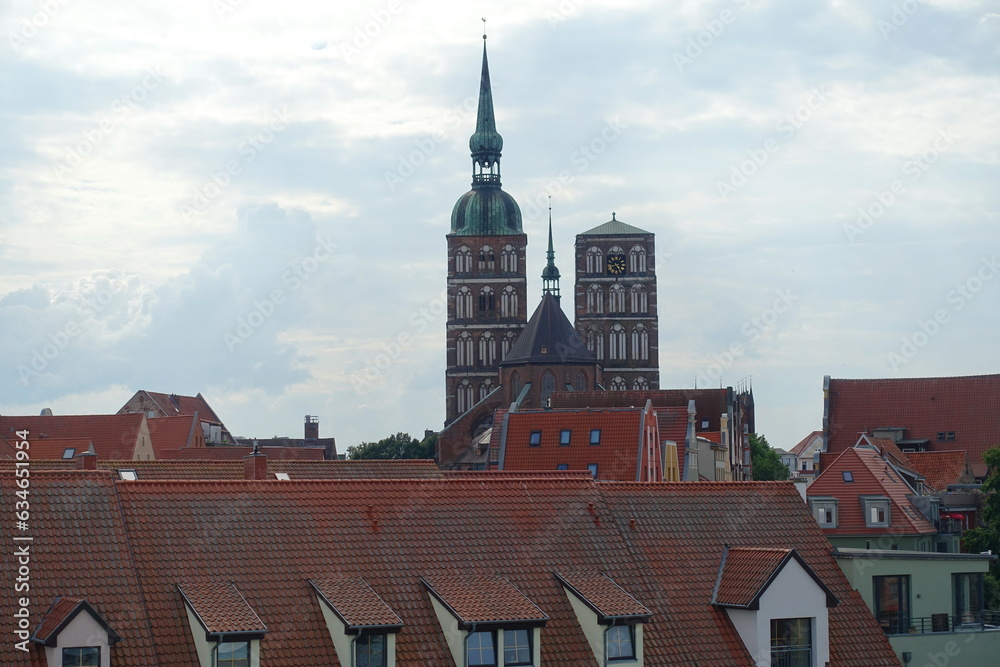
(255, 465)
(312, 428)
(86, 461)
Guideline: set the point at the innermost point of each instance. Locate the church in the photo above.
(496, 355)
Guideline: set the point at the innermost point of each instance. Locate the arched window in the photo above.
(463, 349)
(548, 386)
(640, 384)
(516, 385)
(640, 343)
(508, 342)
(616, 300)
(464, 396)
(618, 384)
(595, 341)
(581, 381)
(508, 259)
(508, 302)
(463, 260)
(595, 260)
(487, 300)
(640, 301)
(487, 349)
(485, 388)
(487, 260)
(637, 260)
(595, 299)
(616, 342)
(463, 303)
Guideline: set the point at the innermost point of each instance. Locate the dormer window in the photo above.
(370, 650)
(824, 511)
(611, 619)
(225, 629)
(517, 647)
(89, 656)
(233, 654)
(67, 624)
(876, 509)
(362, 626)
(621, 642)
(482, 649)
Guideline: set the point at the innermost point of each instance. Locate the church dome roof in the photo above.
(486, 211)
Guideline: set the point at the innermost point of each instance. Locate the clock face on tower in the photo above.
(616, 264)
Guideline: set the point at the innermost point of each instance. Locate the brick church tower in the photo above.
(487, 308)
(616, 303)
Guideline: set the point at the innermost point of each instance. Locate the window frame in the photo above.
(595, 441)
(827, 505)
(79, 658)
(367, 637)
(870, 504)
(565, 437)
(810, 646)
(528, 637)
(493, 647)
(593, 468)
(629, 629)
(233, 661)
(535, 439)
(892, 622)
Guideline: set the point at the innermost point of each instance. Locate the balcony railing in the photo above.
(971, 622)
(791, 656)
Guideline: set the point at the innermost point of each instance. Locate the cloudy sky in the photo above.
(249, 199)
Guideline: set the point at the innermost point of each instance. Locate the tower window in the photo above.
(618, 384)
(487, 300)
(463, 349)
(508, 342)
(595, 299)
(616, 342)
(595, 260)
(463, 260)
(487, 259)
(487, 349)
(508, 302)
(640, 300)
(640, 343)
(463, 303)
(595, 341)
(637, 259)
(508, 259)
(464, 396)
(640, 384)
(616, 299)
(485, 388)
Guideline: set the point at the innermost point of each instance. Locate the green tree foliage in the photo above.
(765, 462)
(986, 537)
(399, 446)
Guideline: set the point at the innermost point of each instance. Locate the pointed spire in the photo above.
(486, 143)
(550, 274)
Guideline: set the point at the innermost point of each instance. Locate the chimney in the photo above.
(312, 428)
(86, 461)
(255, 465)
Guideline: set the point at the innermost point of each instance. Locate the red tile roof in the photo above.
(872, 476)
(235, 452)
(354, 601)
(804, 443)
(221, 609)
(660, 542)
(172, 405)
(942, 468)
(887, 447)
(966, 406)
(114, 436)
(479, 598)
(174, 432)
(744, 573)
(604, 596)
(58, 614)
(55, 448)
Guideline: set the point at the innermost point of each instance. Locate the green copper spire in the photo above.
(486, 143)
(550, 274)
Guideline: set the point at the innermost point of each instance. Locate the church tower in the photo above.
(616, 303)
(486, 270)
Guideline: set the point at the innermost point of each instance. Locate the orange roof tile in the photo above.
(236, 452)
(59, 615)
(174, 432)
(942, 468)
(478, 598)
(604, 596)
(114, 436)
(221, 608)
(805, 442)
(357, 605)
(746, 572)
(173, 405)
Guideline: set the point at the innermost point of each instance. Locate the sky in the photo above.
(249, 199)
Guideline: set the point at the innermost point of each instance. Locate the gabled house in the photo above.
(156, 404)
(802, 460)
(124, 436)
(472, 569)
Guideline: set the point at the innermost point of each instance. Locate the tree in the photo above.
(765, 463)
(986, 536)
(399, 446)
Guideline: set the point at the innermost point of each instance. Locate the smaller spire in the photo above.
(550, 274)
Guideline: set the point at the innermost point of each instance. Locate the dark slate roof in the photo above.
(615, 227)
(549, 338)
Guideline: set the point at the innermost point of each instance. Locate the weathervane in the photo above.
(484, 27)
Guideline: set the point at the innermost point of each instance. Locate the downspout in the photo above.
(465, 645)
(215, 652)
(354, 653)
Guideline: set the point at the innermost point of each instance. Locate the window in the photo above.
(595, 436)
(535, 439)
(463, 303)
(595, 260)
(127, 474)
(508, 259)
(87, 656)
(548, 387)
(618, 384)
(592, 467)
(892, 602)
(508, 302)
(595, 341)
(463, 260)
(517, 647)
(595, 299)
(515, 383)
(804, 466)
(616, 342)
(464, 396)
(640, 343)
(508, 342)
(487, 260)
(968, 589)
(616, 298)
(847, 474)
(621, 643)
(487, 349)
(640, 384)
(825, 511)
(481, 651)
(640, 299)
(463, 349)
(370, 651)
(487, 300)
(564, 436)
(562, 466)
(876, 511)
(69, 452)
(282, 476)
(637, 259)
(233, 654)
(791, 642)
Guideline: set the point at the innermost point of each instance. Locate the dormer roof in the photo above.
(745, 574)
(61, 613)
